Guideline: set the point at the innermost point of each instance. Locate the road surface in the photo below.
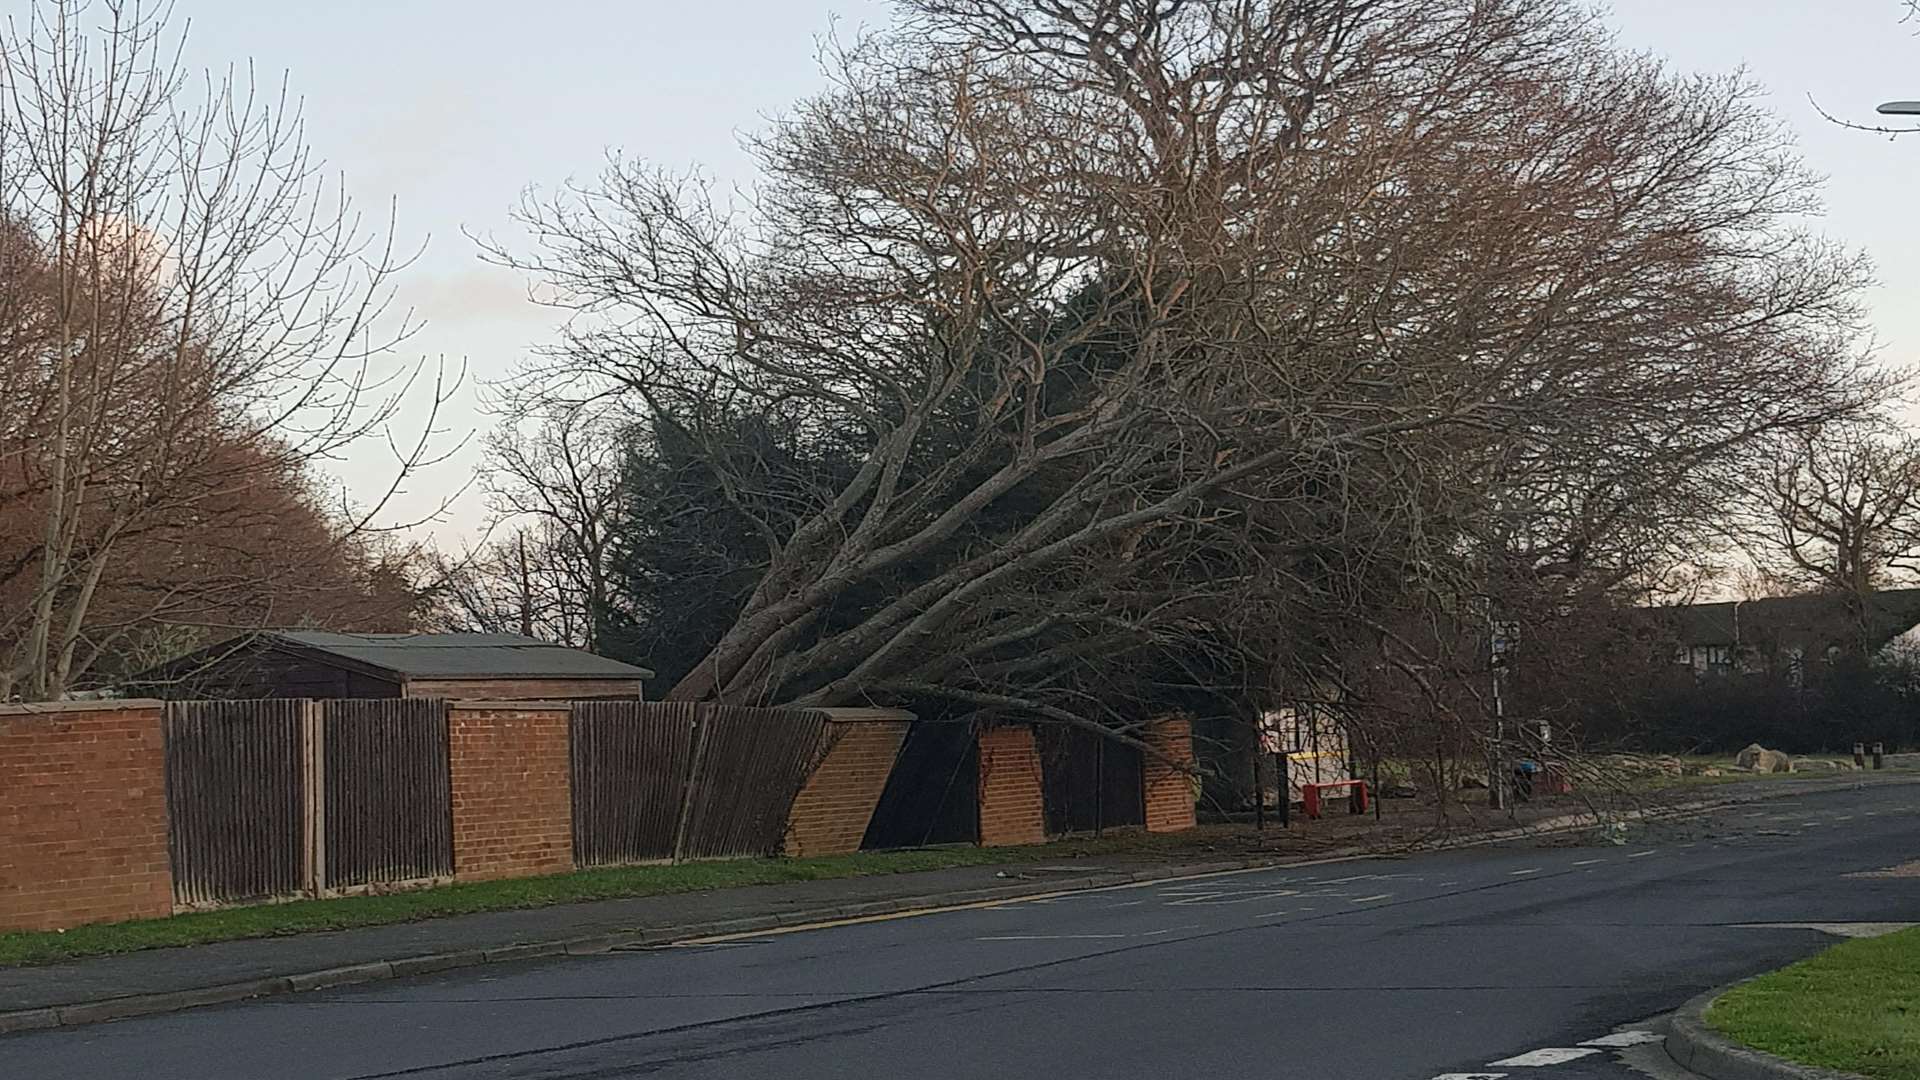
(1480, 962)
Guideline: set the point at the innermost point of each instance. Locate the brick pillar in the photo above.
(1011, 811)
(830, 815)
(1167, 775)
(83, 815)
(512, 790)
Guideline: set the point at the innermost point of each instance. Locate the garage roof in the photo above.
(455, 656)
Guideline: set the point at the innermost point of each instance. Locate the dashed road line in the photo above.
(1371, 899)
(1523, 873)
(1642, 854)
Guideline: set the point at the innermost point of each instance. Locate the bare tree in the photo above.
(1841, 515)
(564, 479)
(1195, 337)
(189, 307)
(525, 582)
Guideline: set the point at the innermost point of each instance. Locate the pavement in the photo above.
(1538, 959)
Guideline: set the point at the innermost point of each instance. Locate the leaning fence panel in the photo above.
(749, 766)
(630, 762)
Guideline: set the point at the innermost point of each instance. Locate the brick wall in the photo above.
(831, 813)
(83, 815)
(512, 798)
(1010, 808)
(1167, 774)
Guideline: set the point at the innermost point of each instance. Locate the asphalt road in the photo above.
(1482, 962)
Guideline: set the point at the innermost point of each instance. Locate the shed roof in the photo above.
(438, 656)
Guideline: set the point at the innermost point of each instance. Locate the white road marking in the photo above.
(1470, 1076)
(1273, 914)
(1371, 899)
(1523, 873)
(1549, 1055)
(1233, 897)
(1837, 929)
(1642, 854)
(1589, 862)
(1621, 1039)
(1084, 937)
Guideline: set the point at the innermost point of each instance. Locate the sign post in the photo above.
(1503, 637)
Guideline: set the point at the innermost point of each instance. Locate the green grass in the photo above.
(610, 883)
(1855, 1007)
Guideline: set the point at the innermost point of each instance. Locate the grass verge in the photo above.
(608, 883)
(1855, 1007)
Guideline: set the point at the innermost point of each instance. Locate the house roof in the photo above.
(433, 656)
(1812, 619)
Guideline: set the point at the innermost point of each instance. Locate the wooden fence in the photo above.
(290, 797)
(236, 799)
(671, 780)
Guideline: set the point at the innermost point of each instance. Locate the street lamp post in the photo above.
(1900, 108)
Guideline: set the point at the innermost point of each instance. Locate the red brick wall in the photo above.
(521, 690)
(830, 815)
(512, 798)
(1010, 808)
(1167, 774)
(83, 815)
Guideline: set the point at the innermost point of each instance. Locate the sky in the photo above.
(450, 109)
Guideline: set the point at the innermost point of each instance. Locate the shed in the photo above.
(320, 664)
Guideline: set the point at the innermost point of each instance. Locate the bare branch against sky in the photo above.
(454, 132)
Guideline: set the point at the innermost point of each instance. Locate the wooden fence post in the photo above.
(313, 761)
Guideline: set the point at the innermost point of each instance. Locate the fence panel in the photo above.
(389, 803)
(630, 765)
(933, 794)
(748, 767)
(1089, 782)
(236, 793)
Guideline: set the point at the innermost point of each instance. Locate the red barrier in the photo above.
(1310, 795)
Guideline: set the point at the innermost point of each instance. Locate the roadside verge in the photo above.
(1699, 1049)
